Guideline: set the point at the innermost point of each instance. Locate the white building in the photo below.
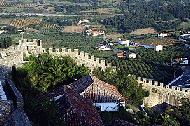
(97, 33)
(132, 55)
(184, 61)
(162, 35)
(126, 42)
(159, 48)
(108, 106)
(106, 97)
(104, 48)
(184, 37)
(2, 31)
(85, 21)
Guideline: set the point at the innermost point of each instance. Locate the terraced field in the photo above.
(19, 23)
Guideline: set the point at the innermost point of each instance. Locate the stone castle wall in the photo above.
(81, 57)
(17, 117)
(159, 92)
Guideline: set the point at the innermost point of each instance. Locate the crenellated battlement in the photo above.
(152, 83)
(159, 92)
(82, 57)
(92, 62)
(35, 47)
(162, 93)
(31, 42)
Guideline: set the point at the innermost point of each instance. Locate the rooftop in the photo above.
(79, 110)
(100, 91)
(3, 97)
(183, 80)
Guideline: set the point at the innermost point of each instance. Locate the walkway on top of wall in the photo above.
(183, 80)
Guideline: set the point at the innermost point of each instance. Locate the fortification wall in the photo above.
(35, 47)
(18, 116)
(81, 57)
(159, 92)
(17, 95)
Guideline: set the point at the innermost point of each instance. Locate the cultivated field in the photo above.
(156, 41)
(25, 22)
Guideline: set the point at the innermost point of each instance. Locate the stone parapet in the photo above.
(35, 47)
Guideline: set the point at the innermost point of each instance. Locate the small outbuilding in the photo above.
(159, 48)
(133, 55)
(124, 42)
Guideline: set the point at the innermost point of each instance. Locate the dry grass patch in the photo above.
(73, 29)
(114, 36)
(144, 31)
(105, 10)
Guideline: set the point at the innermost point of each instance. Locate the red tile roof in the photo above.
(101, 91)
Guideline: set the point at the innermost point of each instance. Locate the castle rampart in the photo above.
(159, 92)
(80, 57)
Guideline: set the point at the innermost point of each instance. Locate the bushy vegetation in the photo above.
(70, 40)
(45, 72)
(5, 42)
(39, 76)
(150, 64)
(126, 84)
(171, 116)
(61, 21)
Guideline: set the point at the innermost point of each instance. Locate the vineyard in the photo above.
(47, 26)
(19, 23)
(6, 3)
(2, 2)
(51, 26)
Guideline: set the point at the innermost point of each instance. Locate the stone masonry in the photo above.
(159, 92)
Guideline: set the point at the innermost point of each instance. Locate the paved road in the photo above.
(48, 15)
(38, 14)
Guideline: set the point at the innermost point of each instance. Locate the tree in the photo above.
(37, 77)
(45, 71)
(5, 42)
(126, 84)
(169, 121)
